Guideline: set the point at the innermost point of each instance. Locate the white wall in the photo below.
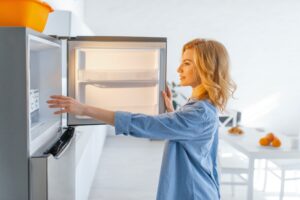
(67, 18)
(262, 37)
(76, 6)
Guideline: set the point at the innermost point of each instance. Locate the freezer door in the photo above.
(117, 73)
(52, 170)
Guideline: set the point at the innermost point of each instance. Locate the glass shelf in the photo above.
(146, 109)
(118, 75)
(119, 84)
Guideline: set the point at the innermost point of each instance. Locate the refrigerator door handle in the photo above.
(62, 144)
(64, 148)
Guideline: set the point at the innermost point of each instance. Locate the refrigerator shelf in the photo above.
(118, 75)
(116, 98)
(120, 83)
(149, 110)
(117, 59)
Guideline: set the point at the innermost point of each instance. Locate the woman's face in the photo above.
(187, 70)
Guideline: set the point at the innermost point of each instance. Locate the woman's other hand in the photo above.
(66, 105)
(168, 99)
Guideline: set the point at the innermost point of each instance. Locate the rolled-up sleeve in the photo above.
(191, 123)
(122, 122)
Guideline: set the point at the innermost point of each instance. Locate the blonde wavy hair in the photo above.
(212, 68)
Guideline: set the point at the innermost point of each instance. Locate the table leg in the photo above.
(250, 179)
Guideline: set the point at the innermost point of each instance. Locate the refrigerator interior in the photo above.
(44, 80)
(118, 76)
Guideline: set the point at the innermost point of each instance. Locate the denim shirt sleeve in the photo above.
(191, 123)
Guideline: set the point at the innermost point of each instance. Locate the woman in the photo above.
(189, 166)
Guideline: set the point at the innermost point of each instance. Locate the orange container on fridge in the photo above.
(25, 13)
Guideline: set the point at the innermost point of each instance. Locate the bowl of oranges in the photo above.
(270, 139)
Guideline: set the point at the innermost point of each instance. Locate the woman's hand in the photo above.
(168, 99)
(70, 105)
(66, 104)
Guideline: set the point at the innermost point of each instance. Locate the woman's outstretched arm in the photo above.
(190, 124)
(70, 105)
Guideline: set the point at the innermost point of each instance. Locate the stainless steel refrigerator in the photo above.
(37, 151)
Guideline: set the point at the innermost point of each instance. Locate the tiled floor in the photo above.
(129, 170)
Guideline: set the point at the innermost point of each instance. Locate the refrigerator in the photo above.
(36, 147)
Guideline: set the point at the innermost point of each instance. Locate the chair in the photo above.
(229, 118)
(284, 165)
(233, 164)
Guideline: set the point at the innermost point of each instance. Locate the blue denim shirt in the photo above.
(189, 166)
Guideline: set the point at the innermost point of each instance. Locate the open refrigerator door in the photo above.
(117, 73)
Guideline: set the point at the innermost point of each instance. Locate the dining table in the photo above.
(248, 144)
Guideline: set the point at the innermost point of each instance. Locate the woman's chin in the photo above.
(183, 84)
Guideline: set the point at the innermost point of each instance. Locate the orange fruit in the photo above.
(270, 136)
(264, 141)
(276, 142)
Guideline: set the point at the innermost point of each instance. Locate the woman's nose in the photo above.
(179, 69)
